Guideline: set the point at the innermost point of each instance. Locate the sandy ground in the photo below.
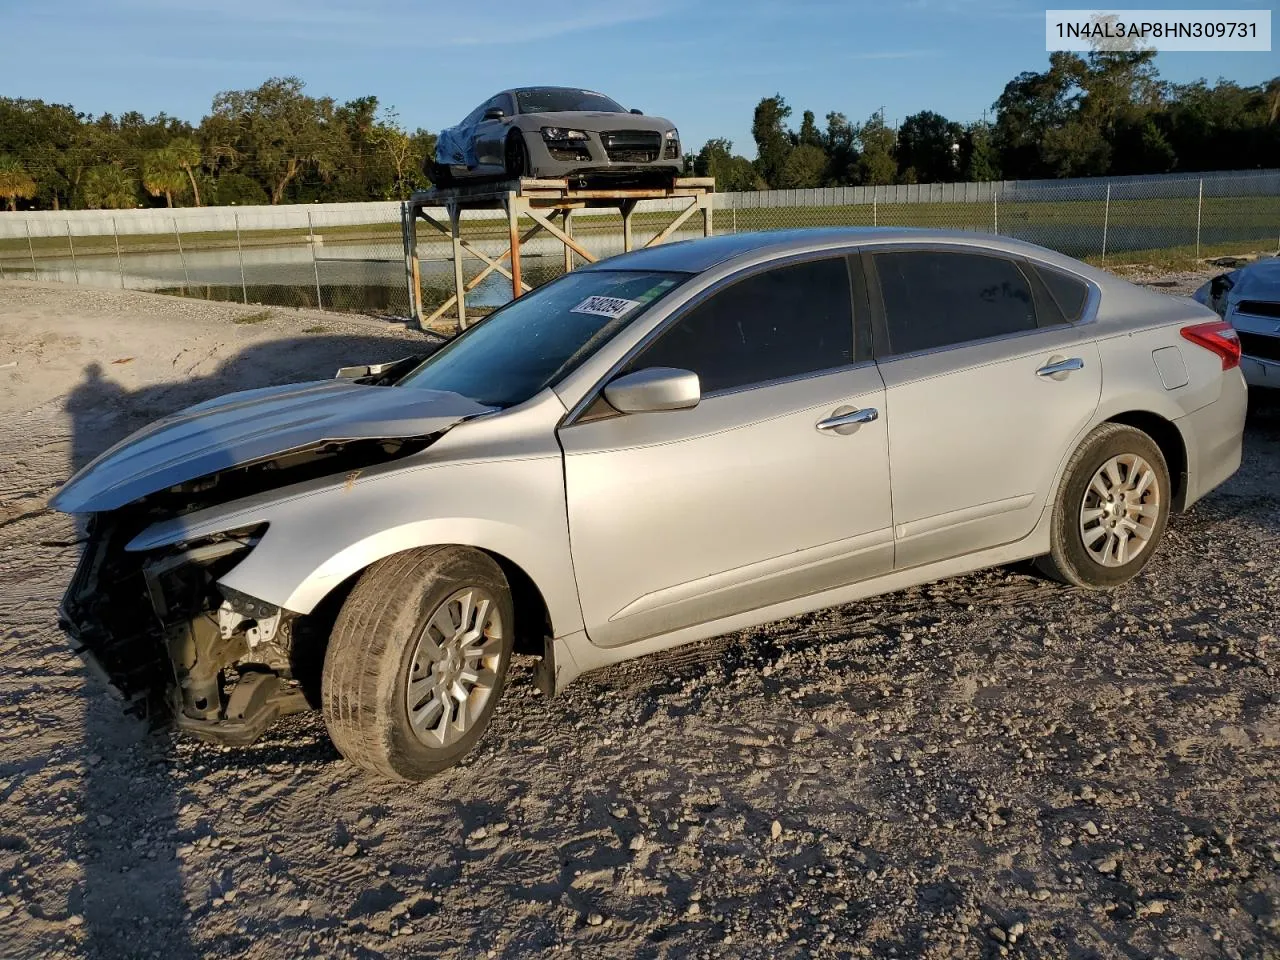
(987, 766)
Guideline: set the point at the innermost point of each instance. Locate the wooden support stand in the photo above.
(539, 201)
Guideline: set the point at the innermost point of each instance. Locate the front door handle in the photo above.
(1058, 367)
(845, 417)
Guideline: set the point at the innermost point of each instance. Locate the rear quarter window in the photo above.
(1069, 293)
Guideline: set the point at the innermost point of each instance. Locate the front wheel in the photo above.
(1111, 511)
(417, 661)
(516, 157)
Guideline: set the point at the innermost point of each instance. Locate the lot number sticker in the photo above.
(611, 307)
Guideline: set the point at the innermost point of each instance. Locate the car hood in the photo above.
(244, 427)
(585, 120)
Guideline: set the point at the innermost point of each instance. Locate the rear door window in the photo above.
(936, 299)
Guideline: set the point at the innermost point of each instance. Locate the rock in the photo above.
(1090, 828)
(1156, 907)
(479, 833)
(637, 842)
(1106, 865)
(775, 831)
(75, 919)
(595, 919)
(351, 849)
(1040, 894)
(693, 909)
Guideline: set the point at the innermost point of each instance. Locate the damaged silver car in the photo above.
(673, 444)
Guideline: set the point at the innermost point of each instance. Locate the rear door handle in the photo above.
(849, 419)
(1058, 368)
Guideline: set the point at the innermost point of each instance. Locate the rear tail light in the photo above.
(1216, 336)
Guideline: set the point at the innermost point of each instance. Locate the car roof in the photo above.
(549, 86)
(697, 256)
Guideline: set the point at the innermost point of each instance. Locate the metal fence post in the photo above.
(115, 232)
(1199, 208)
(995, 209)
(875, 211)
(315, 266)
(244, 291)
(75, 267)
(1106, 219)
(186, 278)
(35, 274)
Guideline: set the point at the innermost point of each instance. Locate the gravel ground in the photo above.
(986, 766)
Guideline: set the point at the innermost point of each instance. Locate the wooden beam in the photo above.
(560, 235)
(568, 229)
(513, 229)
(674, 225)
(455, 233)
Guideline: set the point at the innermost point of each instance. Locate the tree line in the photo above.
(1107, 113)
(1097, 115)
(275, 144)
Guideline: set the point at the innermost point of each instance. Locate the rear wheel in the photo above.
(516, 157)
(1112, 509)
(441, 175)
(417, 661)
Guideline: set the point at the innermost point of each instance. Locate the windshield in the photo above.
(535, 341)
(555, 100)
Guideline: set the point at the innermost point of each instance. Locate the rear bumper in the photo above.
(1260, 373)
(1214, 438)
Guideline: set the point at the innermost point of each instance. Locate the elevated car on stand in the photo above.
(557, 132)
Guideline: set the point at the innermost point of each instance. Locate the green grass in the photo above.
(261, 316)
(318, 328)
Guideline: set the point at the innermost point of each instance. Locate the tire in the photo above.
(515, 157)
(388, 634)
(1086, 550)
(440, 174)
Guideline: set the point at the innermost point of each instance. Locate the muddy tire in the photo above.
(417, 661)
(1112, 508)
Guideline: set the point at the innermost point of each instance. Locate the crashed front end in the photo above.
(154, 622)
(157, 629)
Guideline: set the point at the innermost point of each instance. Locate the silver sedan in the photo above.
(673, 444)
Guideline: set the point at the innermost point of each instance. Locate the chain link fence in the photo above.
(350, 257)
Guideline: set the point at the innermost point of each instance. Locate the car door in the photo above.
(988, 388)
(490, 135)
(754, 496)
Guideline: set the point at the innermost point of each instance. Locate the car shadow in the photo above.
(131, 897)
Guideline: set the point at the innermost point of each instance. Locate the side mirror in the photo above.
(638, 113)
(494, 113)
(655, 388)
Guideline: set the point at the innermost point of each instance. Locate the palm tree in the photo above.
(108, 187)
(15, 182)
(185, 152)
(162, 175)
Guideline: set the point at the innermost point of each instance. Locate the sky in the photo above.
(703, 65)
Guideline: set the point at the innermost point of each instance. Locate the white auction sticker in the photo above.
(611, 307)
(1083, 31)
